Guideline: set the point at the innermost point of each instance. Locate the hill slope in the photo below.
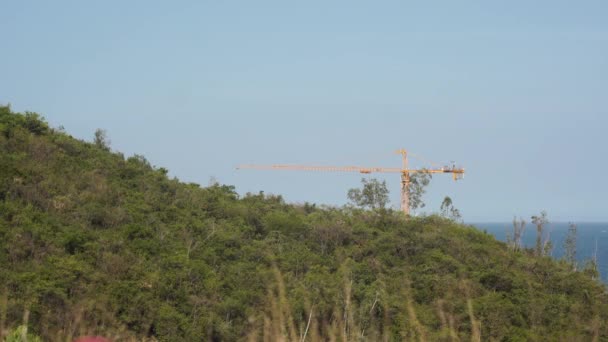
(95, 243)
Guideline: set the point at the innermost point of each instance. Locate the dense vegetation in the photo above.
(92, 242)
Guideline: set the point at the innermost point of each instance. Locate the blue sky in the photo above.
(515, 92)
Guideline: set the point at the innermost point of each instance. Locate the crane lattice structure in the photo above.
(404, 170)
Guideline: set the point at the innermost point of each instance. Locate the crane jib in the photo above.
(405, 171)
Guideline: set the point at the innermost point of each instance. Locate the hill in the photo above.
(92, 242)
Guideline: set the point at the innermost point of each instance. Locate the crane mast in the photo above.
(405, 171)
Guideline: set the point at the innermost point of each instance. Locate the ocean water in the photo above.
(591, 238)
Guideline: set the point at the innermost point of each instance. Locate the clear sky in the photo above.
(514, 91)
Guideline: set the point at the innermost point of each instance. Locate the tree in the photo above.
(570, 246)
(373, 195)
(418, 183)
(35, 123)
(101, 139)
(543, 242)
(20, 334)
(519, 226)
(591, 267)
(448, 210)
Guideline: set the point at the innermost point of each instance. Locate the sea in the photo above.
(591, 240)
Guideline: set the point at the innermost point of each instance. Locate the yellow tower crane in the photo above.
(457, 173)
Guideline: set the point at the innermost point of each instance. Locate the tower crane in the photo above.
(404, 170)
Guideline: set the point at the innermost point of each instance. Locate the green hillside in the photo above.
(93, 242)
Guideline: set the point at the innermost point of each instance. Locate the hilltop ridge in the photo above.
(93, 242)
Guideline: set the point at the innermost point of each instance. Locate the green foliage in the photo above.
(448, 210)
(590, 269)
(570, 246)
(514, 239)
(101, 139)
(373, 194)
(417, 188)
(93, 242)
(18, 334)
(543, 242)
